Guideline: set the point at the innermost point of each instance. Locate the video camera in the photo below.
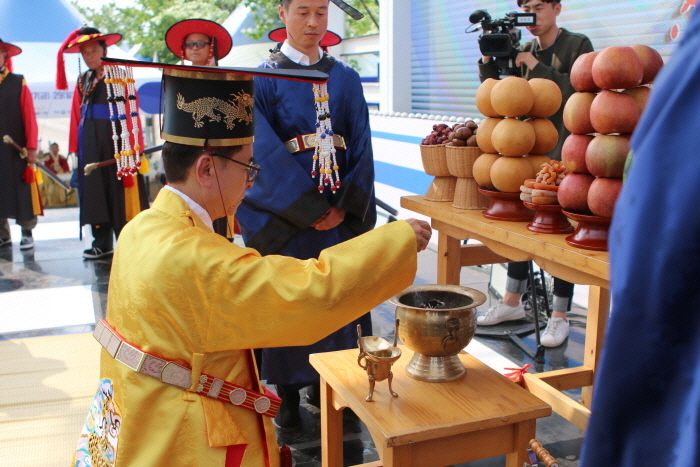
(501, 37)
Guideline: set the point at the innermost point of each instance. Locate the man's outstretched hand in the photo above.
(423, 232)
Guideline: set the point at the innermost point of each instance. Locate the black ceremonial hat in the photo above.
(211, 106)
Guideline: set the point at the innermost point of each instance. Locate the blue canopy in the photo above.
(37, 21)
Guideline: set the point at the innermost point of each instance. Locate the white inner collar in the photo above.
(296, 56)
(198, 210)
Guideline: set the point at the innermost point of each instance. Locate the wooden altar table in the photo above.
(510, 241)
(481, 415)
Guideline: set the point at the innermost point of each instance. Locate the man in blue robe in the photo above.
(646, 403)
(291, 213)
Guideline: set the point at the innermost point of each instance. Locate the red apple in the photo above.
(573, 153)
(617, 68)
(614, 112)
(651, 61)
(582, 73)
(573, 192)
(577, 113)
(602, 195)
(606, 155)
(640, 95)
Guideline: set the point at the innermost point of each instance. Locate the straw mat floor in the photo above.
(46, 388)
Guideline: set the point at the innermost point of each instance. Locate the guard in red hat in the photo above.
(19, 197)
(107, 201)
(200, 41)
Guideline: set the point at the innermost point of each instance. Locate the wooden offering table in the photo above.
(430, 424)
(511, 241)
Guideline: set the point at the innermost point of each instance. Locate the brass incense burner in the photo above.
(437, 321)
(378, 355)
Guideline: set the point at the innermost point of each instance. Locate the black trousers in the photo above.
(518, 271)
(102, 234)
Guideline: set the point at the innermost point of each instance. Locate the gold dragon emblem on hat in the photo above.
(237, 109)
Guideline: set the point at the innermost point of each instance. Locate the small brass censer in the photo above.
(378, 355)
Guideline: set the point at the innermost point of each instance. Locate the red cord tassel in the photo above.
(61, 80)
(128, 181)
(285, 456)
(518, 374)
(28, 176)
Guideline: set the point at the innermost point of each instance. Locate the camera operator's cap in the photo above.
(72, 44)
(178, 32)
(211, 106)
(329, 39)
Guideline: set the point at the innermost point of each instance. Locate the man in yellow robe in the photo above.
(183, 294)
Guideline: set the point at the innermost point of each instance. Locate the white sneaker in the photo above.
(555, 333)
(501, 312)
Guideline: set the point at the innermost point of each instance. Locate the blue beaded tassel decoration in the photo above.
(324, 154)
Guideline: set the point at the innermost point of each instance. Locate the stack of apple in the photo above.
(612, 92)
(513, 148)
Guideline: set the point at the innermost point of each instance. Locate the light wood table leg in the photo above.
(331, 429)
(596, 322)
(523, 432)
(449, 259)
(399, 456)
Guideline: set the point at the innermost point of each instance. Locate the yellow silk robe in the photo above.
(181, 292)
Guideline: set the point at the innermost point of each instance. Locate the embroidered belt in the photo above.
(171, 373)
(304, 142)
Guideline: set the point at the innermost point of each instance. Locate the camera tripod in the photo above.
(538, 301)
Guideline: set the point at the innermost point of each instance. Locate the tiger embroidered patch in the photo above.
(97, 446)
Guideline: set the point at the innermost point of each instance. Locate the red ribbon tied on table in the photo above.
(518, 374)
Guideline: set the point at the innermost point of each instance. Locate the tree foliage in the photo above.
(266, 18)
(146, 22)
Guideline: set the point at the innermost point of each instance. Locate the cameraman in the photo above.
(550, 55)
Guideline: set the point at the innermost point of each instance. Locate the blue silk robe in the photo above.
(186, 294)
(646, 398)
(277, 211)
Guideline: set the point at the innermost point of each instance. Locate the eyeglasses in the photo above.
(196, 44)
(253, 169)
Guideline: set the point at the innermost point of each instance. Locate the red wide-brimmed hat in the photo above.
(11, 49)
(87, 35)
(329, 39)
(71, 45)
(178, 32)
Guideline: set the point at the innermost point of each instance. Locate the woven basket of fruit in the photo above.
(468, 196)
(434, 160)
(441, 189)
(460, 159)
